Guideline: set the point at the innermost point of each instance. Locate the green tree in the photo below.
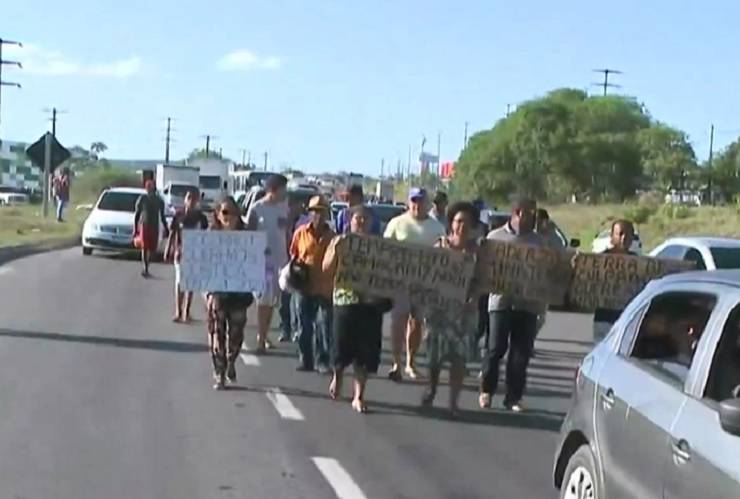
(725, 171)
(668, 158)
(97, 148)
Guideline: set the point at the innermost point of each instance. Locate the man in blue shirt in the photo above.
(356, 196)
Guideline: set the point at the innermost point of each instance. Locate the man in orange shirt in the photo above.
(308, 247)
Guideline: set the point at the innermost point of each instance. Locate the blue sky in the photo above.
(329, 85)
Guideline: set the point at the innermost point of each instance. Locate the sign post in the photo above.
(47, 153)
(46, 174)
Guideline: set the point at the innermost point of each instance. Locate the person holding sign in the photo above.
(358, 322)
(227, 312)
(191, 218)
(449, 332)
(308, 247)
(414, 226)
(512, 321)
(621, 237)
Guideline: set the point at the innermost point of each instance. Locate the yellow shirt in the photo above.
(407, 229)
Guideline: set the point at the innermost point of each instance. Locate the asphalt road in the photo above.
(103, 397)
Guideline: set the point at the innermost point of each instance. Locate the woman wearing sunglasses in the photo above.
(227, 312)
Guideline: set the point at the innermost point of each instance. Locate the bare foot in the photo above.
(359, 406)
(335, 388)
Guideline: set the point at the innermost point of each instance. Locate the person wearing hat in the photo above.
(148, 212)
(308, 246)
(439, 207)
(270, 215)
(413, 226)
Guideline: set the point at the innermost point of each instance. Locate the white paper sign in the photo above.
(226, 261)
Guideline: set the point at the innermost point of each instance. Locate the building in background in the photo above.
(16, 170)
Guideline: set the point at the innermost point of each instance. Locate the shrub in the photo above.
(640, 214)
(87, 186)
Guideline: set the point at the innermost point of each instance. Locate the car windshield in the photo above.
(726, 258)
(210, 181)
(119, 201)
(180, 190)
(386, 213)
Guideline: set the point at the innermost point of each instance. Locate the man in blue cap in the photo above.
(413, 226)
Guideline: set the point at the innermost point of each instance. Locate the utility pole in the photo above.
(265, 160)
(167, 142)
(408, 165)
(439, 150)
(3, 62)
(244, 157)
(465, 139)
(508, 110)
(47, 173)
(382, 167)
(208, 138)
(605, 84)
(709, 165)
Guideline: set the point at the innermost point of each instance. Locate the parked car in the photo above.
(13, 198)
(655, 410)
(709, 253)
(602, 242)
(110, 225)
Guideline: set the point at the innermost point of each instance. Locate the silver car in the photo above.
(655, 410)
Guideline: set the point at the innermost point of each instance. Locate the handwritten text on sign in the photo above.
(525, 272)
(431, 277)
(225, 261)
(610, 281)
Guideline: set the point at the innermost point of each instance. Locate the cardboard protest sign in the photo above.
(225, 261)
(430, 277)
(525, 272)
(610, 281)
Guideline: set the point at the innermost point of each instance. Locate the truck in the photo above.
(214, 179)
(384, 191)
(173, 182)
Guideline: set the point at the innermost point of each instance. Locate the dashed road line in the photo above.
(250, 359)
(283, 405)
(341, 481)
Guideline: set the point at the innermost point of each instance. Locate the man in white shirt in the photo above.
(413, 226)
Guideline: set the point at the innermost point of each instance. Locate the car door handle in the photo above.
(607, 399)
(681, 451)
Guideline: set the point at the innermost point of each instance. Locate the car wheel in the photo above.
(580, 480)
(87, 251)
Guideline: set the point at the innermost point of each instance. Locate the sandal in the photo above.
(359, 406)
(335, 389)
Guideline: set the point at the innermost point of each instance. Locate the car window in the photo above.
(673, 251)
(693, 255)
(670, 331)
(119, 201)
(630, 329)
(724, 374)
(726, 258)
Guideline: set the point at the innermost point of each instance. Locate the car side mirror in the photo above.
(575, 243)
(729, 416)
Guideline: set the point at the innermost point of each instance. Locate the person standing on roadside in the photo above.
(149, 212)
(550, 238)
(191, 218)
(622, 235)
(513, 321)
(227, 312)
(357, 323)
(308, 247)
(270, 215)
(449, 332)
(289, 319)
(356, 197)
(439, 208)
(61, 186)
(413, 226)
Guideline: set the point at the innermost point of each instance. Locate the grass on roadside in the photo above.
(655, 223)
(24, 224)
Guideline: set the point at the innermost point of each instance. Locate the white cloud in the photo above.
(40, 61)
(246, 60)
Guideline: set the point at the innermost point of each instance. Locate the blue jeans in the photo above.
(60, 208)
(309, 307)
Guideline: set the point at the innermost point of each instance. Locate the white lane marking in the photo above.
(283, 405)
(250, 359)
(6, 270)
(338, 478)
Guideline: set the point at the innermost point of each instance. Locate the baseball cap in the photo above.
(417, 193)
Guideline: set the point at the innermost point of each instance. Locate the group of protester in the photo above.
(339, 327)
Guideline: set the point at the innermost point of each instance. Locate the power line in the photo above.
(605, 84)
(4, 62)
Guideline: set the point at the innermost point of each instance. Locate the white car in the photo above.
(709, 253)
(602, 242)
(13, 198)
(110, 225)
